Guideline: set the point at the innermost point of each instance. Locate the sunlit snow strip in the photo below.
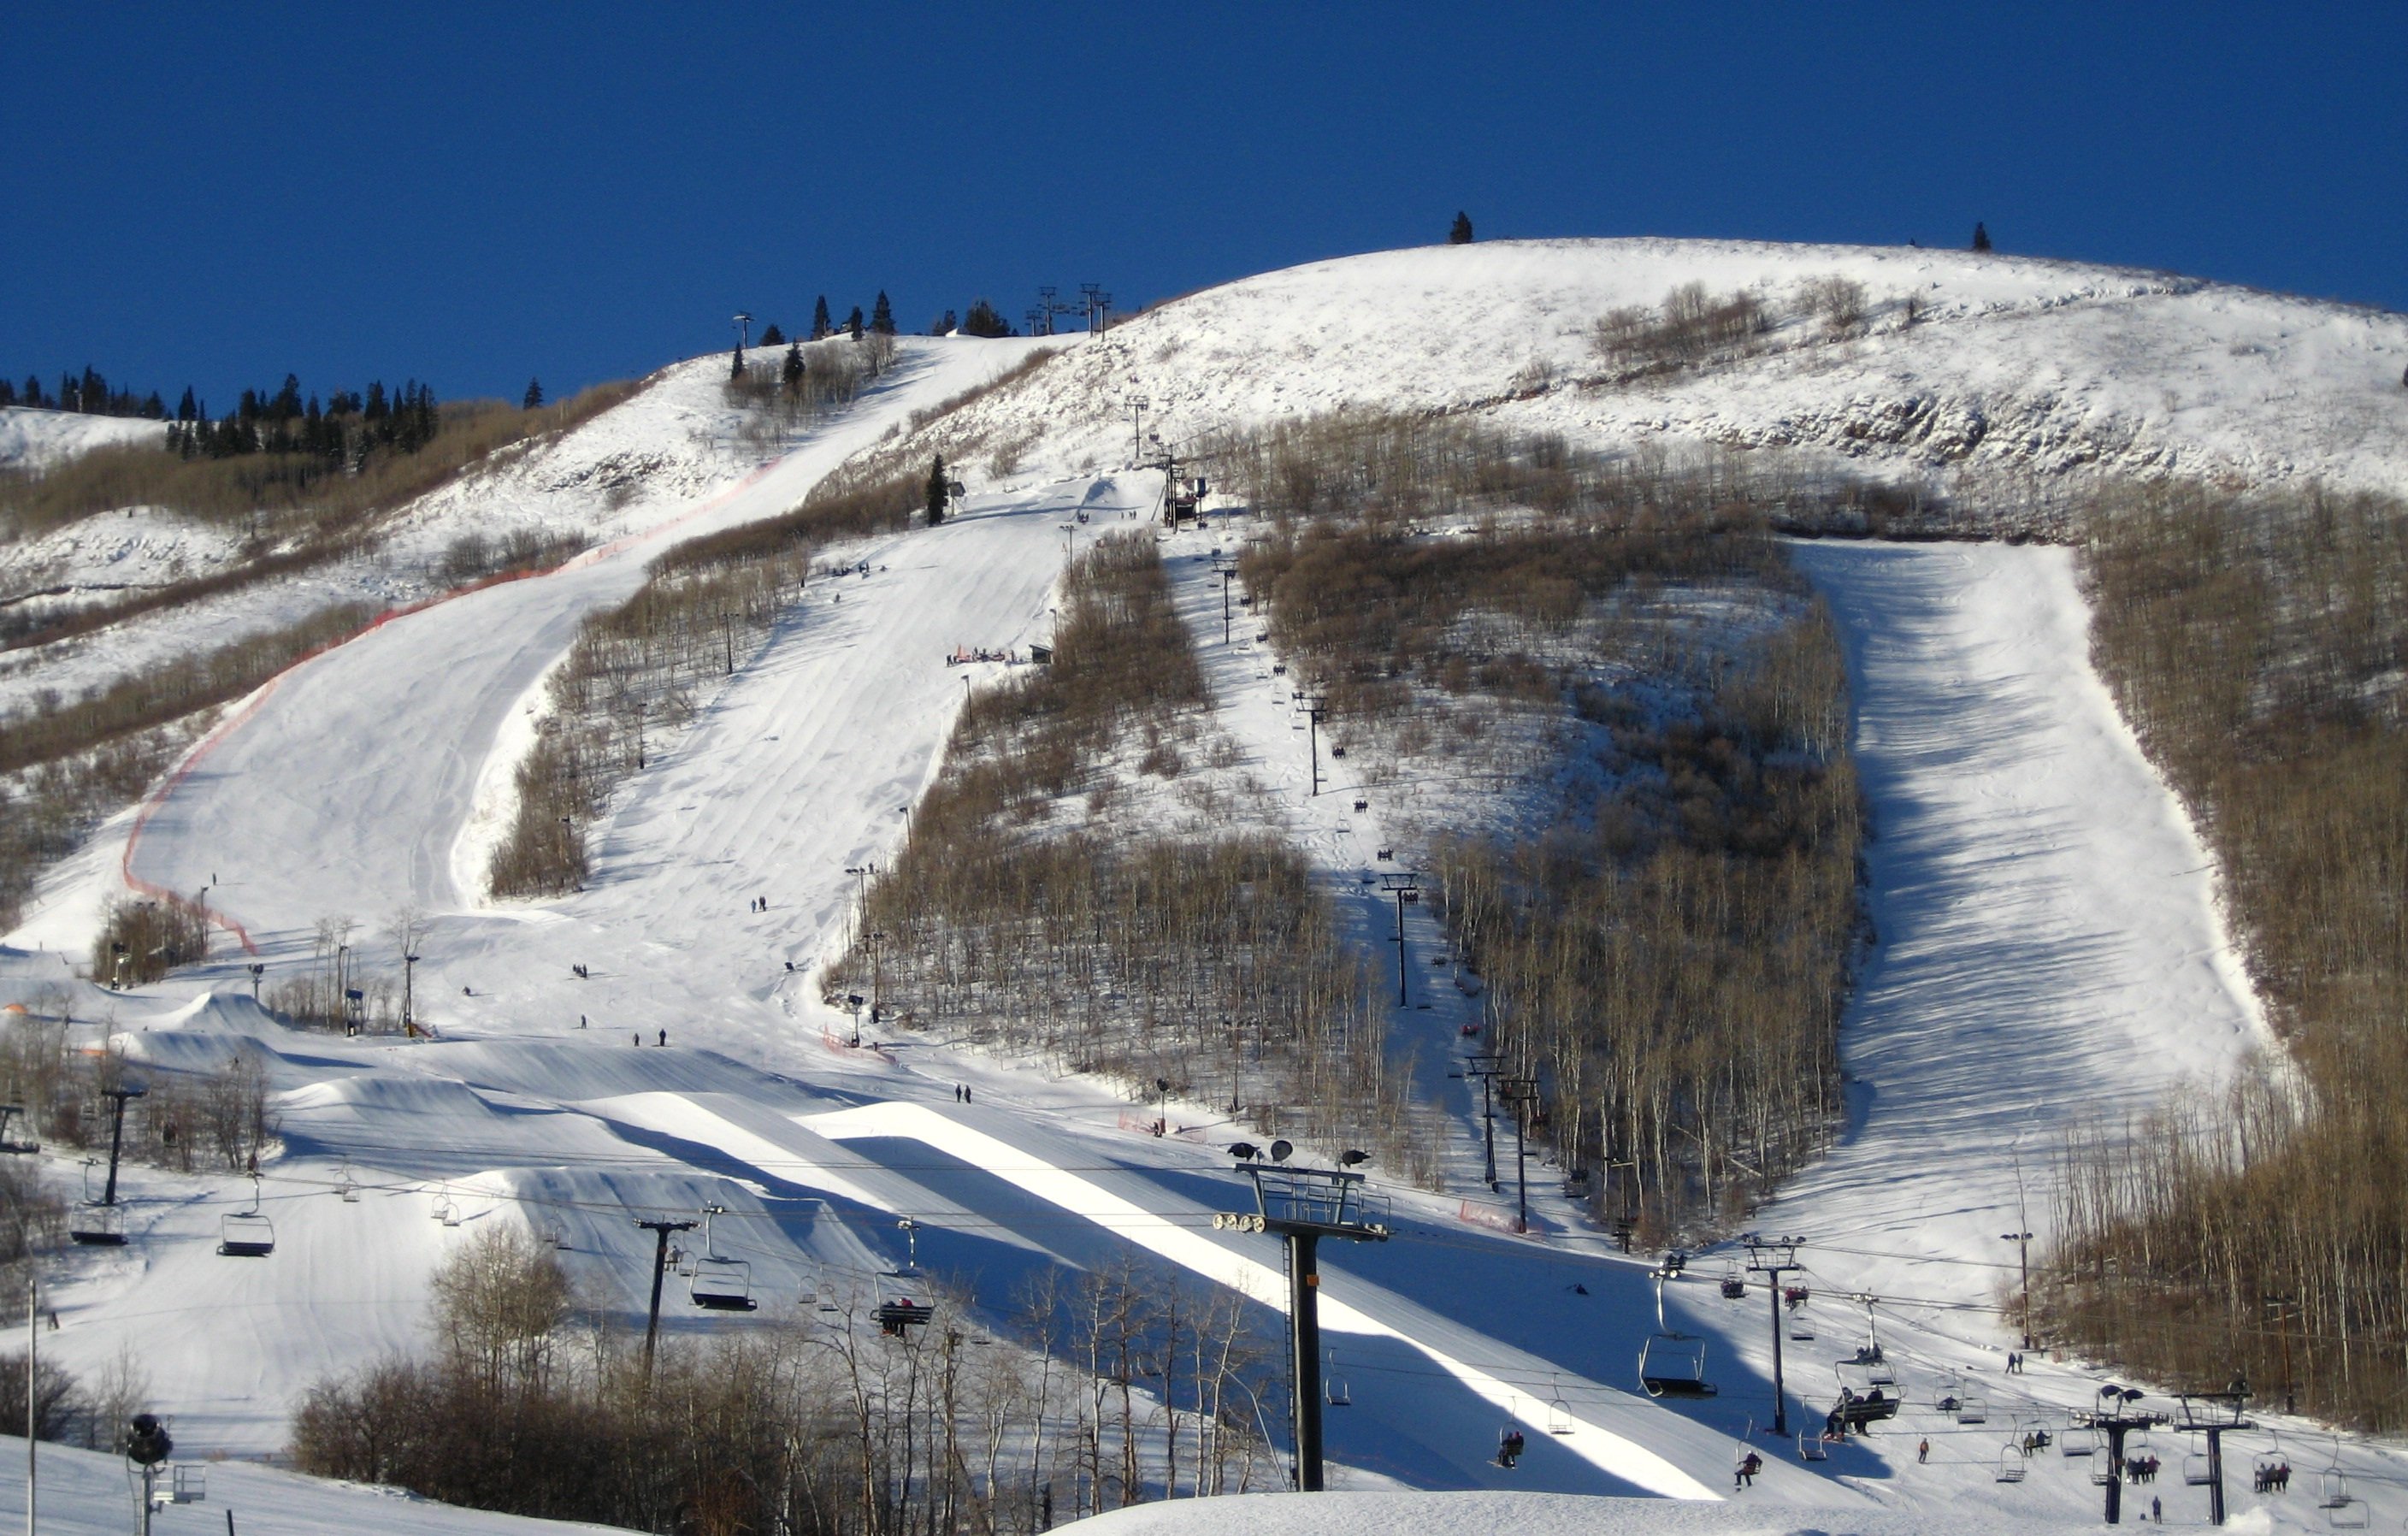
(1601, 1447)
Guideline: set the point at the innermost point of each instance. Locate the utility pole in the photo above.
(661, 1230)
(1303, 1205)
(409, 1018)
(1772, 1259)
(1316, 710)
(1520, 1092)
(1407, 887)
(2023, 1248)
(2283, 1308)
(1487, 1067)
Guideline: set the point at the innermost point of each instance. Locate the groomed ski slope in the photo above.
(85, 1493)
(2016, 822)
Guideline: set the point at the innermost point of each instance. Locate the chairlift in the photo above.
(1810, 1447)
(2272, 1468)
(1333, 1386)
(901, 1314)
(1734, 1287)
(2077, 1442)
(723, 1284)
(1950, 1394)
(97, 1225)
(1972, 1409)
(446, 1210)
(247, 1234)
(2011, 1464)
(10, 1146)
(1559, 1413)
(1672, 1364)
(2196, 1471)
(2343, 1510)
(1801, 1317)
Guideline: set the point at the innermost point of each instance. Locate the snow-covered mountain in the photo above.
(2022, 832)
(2006, 367)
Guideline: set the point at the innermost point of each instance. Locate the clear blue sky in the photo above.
(215, 195)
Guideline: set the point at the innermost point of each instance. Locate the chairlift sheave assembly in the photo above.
(1672, 1364)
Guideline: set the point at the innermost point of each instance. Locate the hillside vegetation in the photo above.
(1025, 910)
(1662, 923)
(2260, 645)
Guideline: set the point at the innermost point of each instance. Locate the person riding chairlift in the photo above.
(1508, 1450)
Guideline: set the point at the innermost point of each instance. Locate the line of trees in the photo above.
(90, 393)
(1020, 912)
(1123, 1386)
(2257, 644)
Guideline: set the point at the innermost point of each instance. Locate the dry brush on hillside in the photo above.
(1022, 911)
(1662, 911)
(2260, 646)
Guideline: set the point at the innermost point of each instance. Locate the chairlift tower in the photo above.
(743, 323)
(661, 1230)
(1227, 569)
(1315, 709)
(1097, 304)
(2116, 1417)
(1303, 1205)
(1520, 1092)
(117, 1095)
(1406, 886)
(2214, 1415)
(1138, 406)
(1487, 1066)
(1774, 1258)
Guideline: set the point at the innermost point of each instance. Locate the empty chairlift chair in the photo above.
(2011, 1464)
(2343, 1509)
(2194, 1469)
(1333, 1386)
(719, 1285)
(1559, 1413)
(1972, 1409)
(97, 1225)
(1672, 1364)
(247, 1234)
(1810, 1447)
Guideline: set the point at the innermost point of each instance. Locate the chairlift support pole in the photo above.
(1487, 1067)
(2229, 1411)
(2023, 1249)
(1316, 708)
(1303, 1199)
(1406, 886)
(1772, 1259)
(1521, 1092)
(661, 1230)
(117, 1135)
(2115, 1423)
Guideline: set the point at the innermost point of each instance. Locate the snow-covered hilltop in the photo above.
(1958, 364)
(35, 439)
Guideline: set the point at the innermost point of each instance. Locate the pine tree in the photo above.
(792, 373)
(534, 398)
(185, 410)
(1981, 237)
(940, 494)
(1461, 233)
(881, 315)
(773, 336)
(34, 388)
(820, 324)
(945, 324)
(852, 323)
(7, 392)
(983, 321)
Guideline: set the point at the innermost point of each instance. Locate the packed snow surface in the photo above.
(83, 1493)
